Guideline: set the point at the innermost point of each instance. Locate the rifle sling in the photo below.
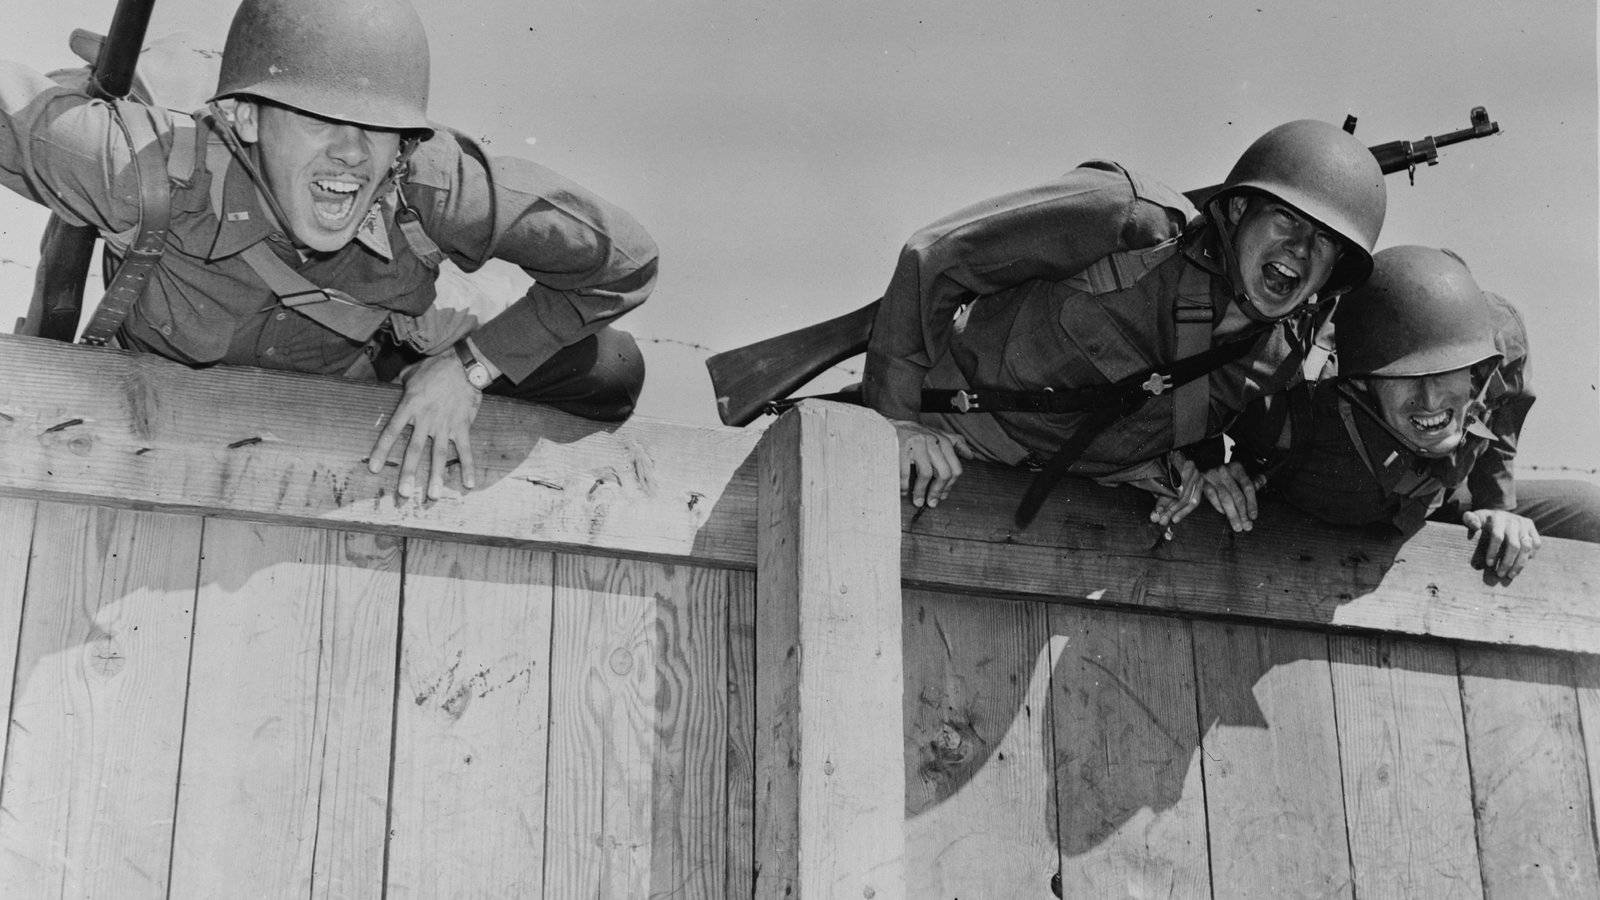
(155, 204)
(1120, 399)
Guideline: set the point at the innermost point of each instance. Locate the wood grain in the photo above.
(16, 542)
(637, 796)
(1587, 670)
(1095, 545)
(980, 798)
(1271, 762)
(471, 723)
(1530, 785)
(830, 774)
(742, 738)
(97, 720)
(286, 755)
(289, 448)
(1128, 772)
(1403, 751)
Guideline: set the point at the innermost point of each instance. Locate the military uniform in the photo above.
(1082, 281)
(205, 303)
(1326, 451)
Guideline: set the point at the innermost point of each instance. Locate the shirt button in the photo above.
(281, 316)
(271, 350)
(166, 329)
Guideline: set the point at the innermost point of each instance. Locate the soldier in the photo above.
(1421, 422)
(1097, 323)
(312, 204)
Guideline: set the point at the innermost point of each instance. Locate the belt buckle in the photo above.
(1156, 383)
(963, 401)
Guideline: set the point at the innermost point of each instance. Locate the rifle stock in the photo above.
(746, 380)
(67, 249)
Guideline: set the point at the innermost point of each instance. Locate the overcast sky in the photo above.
(781, 152)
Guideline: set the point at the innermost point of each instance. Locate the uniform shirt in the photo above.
(591, 262)
(1368, 477)
(1041, 315)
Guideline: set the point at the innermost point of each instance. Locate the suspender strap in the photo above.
(140, 125)
(1130, 394)
(329, 307)
(1194, 317)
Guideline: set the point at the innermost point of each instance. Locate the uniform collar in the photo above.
(242, 220)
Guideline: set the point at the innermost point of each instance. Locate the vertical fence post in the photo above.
(830, 767)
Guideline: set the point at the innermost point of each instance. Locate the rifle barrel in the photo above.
(113, 68)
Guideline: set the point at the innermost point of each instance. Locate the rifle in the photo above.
(753, 379)
(66, 249)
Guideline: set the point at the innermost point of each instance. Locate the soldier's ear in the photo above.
(1237, 204)
(247, 121)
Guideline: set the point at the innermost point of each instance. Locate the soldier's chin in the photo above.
(1437, 446)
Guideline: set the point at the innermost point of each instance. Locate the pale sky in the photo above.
(781, 152)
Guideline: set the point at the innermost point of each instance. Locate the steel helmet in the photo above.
(359, 61)
(1421, 313)
(1326, 174)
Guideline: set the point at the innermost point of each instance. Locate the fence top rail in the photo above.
(121, 429)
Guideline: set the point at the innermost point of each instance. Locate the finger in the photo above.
(1472, 522)
(923, 464)
(409, 463)
(437, 467)
(1159, 513)
(947, 468)
(907, 454)
(1247, 487)
(1223, 501)
(385, 443)
(1188, 499)
(963, 448)
(469, 474)
(1495, 535)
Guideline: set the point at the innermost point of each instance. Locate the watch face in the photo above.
(478, 376)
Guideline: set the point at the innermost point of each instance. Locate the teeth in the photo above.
(337, 187)
(1431, 423)
(1284, 270)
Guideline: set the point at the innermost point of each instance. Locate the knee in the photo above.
(617, 377)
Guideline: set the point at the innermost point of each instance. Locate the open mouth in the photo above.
(333, 201)
(1432, 424)
(1280, 279)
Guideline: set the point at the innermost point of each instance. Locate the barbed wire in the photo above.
(1539, 468)
(708, 351)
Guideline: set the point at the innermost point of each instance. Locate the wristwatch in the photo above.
(477, 373)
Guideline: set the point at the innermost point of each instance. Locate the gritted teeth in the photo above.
(1432, 422)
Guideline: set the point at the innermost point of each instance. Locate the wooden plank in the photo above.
(16, 542)
(980, 810)
(742, 738)
(1588, 680)
(1270, 758)
(830, 774)
(97, 721)
(1530, 782)
(291, 700)
(290, 448)
(471, 723)
(1093, 544)
(638, 745)
(1403, 751)
(1128, 771)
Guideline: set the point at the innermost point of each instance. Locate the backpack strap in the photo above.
(142, 126)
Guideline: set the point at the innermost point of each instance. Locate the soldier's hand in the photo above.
(1231, 491)
(1506, 541)
(930, 461)
(438, 407)
(1186, 478)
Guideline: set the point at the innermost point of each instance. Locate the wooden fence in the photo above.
(655, 660)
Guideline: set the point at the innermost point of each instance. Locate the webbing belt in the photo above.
(1122, 399)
